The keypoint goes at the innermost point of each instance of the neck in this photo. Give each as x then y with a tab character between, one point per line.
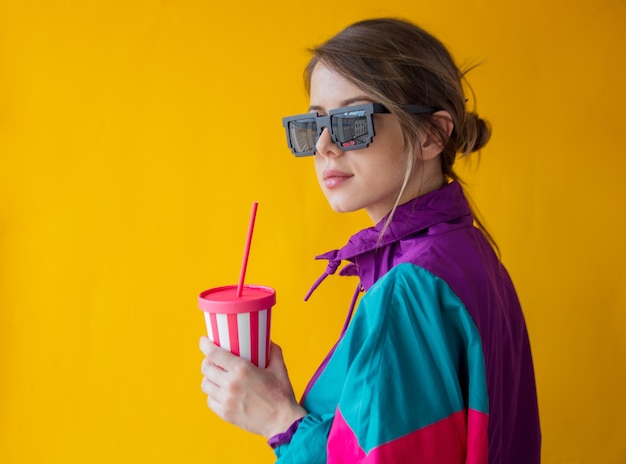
426	179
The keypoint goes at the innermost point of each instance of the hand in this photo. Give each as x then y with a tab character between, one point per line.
255	399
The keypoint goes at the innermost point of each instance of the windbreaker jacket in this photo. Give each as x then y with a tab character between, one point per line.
435	366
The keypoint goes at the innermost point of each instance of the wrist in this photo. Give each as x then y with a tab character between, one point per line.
285	437
289	419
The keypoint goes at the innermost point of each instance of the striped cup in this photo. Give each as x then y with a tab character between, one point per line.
240	324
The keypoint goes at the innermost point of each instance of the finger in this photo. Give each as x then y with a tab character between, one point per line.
208	387
206	362
214	373
276	361
215	406
213	351
204	344
223	358
276	352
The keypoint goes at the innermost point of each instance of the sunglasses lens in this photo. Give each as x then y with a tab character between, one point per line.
303	135
351	129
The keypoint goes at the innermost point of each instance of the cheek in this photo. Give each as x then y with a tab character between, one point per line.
390	164
389	145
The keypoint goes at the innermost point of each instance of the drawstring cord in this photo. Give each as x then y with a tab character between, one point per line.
330	269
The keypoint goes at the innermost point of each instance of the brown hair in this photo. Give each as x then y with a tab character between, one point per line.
397	63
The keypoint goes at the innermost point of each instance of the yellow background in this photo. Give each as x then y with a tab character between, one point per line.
134	137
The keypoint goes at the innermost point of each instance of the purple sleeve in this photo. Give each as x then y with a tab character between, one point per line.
285	437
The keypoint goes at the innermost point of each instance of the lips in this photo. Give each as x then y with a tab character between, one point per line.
333	173
333	177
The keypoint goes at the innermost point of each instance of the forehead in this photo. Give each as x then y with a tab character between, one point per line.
330	90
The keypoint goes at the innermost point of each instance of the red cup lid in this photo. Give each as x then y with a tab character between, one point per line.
224	300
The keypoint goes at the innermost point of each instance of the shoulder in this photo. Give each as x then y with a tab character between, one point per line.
410	299
409	282
406	300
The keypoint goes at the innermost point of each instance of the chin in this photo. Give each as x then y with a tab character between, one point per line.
342	208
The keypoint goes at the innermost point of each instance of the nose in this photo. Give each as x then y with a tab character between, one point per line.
325	146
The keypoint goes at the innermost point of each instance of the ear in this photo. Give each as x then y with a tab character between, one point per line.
432	145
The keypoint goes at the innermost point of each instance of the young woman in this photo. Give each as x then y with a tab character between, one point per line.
435	366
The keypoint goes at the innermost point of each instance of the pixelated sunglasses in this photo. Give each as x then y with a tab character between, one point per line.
351	127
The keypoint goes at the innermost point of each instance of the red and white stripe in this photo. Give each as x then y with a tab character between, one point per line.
243	334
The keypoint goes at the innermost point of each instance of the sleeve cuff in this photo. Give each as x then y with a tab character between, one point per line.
285	437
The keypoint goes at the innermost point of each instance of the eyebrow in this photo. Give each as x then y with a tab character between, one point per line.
343	103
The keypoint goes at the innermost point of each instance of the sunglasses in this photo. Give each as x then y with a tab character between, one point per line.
351	127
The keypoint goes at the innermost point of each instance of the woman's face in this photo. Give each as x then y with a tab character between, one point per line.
370	177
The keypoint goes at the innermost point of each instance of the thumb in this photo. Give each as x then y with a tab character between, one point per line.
276	360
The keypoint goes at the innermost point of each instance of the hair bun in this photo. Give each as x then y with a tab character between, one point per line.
474	134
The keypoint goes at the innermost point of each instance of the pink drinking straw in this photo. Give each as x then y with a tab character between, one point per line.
246	252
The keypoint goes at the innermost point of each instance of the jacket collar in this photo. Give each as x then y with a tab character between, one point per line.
418	215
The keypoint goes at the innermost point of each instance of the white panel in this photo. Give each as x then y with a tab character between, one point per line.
209	330
262	337
222	329
243	330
